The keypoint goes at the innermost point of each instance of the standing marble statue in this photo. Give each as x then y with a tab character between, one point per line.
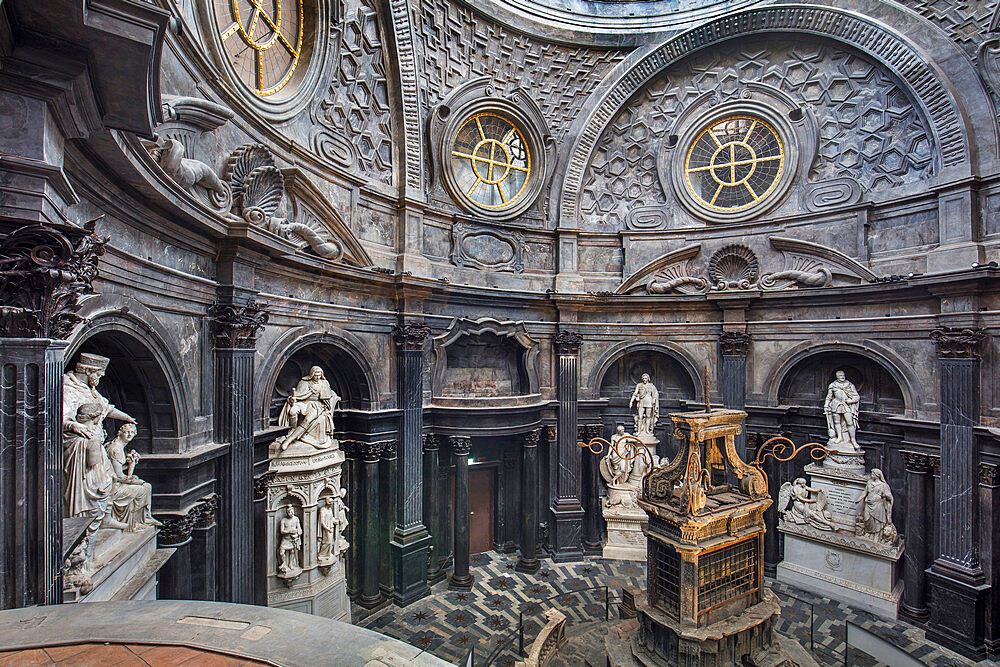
290	541
841	408
309	411
332	520
647	401
874	521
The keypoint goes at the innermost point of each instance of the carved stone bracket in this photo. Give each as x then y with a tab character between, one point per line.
959	343
734	343
567	342
236	326
44	270
461	445
411	336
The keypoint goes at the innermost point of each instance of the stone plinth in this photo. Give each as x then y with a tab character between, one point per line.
124	567
857	571
304	480
626	531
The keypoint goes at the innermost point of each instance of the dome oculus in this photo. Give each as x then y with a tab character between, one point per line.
734	164
490	161
262	40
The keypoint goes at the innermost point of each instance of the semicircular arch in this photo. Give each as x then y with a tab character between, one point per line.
617	352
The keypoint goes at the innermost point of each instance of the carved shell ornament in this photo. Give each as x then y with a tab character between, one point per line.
733	267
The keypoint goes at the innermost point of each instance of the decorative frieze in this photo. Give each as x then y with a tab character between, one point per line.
44	270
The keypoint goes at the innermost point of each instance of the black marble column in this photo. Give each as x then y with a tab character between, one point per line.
236	321
44	270
388	508
447	483
567	510
958	585
733	346
989	492
594	519
411	542
919	492
371	595
433	506
528	560
461	578
174	578
353	479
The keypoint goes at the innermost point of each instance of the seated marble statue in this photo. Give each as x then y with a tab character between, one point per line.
309	411
617	465
88	477
132	497
808	505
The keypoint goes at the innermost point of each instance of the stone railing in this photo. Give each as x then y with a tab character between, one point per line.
548	642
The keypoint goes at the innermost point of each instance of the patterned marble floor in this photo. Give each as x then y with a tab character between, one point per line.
448	623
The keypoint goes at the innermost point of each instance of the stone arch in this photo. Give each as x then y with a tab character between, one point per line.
919	68
618	352
340	346
904	376
144	377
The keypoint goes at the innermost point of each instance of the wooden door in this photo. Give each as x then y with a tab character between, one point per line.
481	501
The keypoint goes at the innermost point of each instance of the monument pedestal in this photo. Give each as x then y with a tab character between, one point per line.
855	570
626	531
124	566
304	480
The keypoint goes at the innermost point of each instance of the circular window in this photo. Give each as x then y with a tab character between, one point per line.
490	161
734	163
262	40
271	52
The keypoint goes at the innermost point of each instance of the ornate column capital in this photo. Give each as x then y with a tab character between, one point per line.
370	451
260	485
567	342
432	442
552	433
387	449
175	530
916	462
203	513
989	474
531	438
588	432
44	270
734	343
411	336
237	326
461	445
959	343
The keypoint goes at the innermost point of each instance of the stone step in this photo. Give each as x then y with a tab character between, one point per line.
142	586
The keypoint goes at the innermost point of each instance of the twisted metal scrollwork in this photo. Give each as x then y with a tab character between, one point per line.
777	448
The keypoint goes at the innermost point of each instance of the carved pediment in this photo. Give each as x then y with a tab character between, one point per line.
667	273
808	264
311	208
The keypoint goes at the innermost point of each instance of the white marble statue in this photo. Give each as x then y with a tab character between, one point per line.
807	505
309	411
88	477
332	520
874	521
289	543
616	468
131	498
80	386
841	408
647	402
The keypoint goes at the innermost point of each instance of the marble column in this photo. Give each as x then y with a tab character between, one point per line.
371	595
353	481
733	346
594	519
411	542
989	492
174	580
958	586
567	510
528	560
432	506
388	507
919	493
461	578
236	322
44	270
